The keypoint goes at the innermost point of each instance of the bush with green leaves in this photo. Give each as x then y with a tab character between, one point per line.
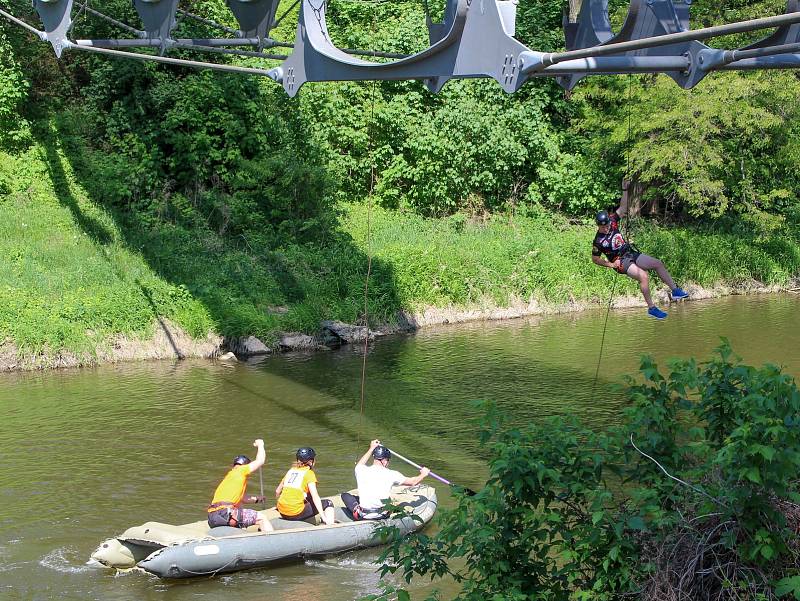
725	521
13	92
694	496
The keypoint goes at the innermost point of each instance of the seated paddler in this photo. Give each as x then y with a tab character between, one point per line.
375	483
298	498
225	508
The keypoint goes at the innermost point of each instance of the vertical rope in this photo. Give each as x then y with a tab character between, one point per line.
628	158
627	229
370	152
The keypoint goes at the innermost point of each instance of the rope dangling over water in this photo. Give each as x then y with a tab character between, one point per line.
370	127
627	233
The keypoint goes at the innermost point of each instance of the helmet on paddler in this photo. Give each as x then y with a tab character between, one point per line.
381	452
305	454
602	218
241	460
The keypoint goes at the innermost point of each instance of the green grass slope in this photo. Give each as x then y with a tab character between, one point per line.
75	274
68	280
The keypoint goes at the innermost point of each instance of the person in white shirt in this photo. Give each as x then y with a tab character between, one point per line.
375	483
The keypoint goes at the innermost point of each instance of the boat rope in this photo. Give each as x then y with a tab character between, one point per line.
211	573
627	231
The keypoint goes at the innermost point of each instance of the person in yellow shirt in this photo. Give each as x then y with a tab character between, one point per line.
297	494
225	508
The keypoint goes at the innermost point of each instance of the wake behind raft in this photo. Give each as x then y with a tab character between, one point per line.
195	550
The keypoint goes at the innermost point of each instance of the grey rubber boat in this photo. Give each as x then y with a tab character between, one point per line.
195	550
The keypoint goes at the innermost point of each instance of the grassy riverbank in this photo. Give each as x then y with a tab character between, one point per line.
80	278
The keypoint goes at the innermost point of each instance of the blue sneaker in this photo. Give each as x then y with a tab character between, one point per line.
678	294
656	312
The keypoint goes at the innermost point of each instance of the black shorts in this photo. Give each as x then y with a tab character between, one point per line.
351	502
628	259
309	510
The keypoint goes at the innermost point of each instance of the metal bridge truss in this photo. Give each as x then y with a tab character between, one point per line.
474	39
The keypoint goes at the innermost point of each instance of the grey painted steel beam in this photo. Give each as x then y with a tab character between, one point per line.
159	43
474	39
56	16
784	40
188	43
714	59
534	63
476	43
209	22
786	34
235	52
646	19
785	61
255	17
137	32
192	45
765	51
158	17
42	35
621	64
168	60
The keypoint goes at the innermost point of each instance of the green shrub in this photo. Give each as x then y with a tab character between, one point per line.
13	92
694	496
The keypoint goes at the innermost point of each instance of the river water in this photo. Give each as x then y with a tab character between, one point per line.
84	454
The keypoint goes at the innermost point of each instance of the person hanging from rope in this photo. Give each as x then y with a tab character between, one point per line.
225	507
626	258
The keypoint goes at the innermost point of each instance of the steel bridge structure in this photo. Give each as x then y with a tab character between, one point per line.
475	38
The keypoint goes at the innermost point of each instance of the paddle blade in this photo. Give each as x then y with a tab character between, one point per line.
467	491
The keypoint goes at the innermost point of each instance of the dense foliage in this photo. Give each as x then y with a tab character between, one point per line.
728	146
695	496
246	202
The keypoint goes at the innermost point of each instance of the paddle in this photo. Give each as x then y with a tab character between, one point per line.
468	491
261	481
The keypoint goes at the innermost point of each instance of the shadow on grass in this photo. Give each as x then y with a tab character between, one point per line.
60	182
287	276
97	231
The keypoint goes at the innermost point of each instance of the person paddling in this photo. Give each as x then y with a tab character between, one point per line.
375	483
225	507
626	259
297	494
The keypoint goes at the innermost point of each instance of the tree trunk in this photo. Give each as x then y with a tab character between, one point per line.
574	9
637	206
635	190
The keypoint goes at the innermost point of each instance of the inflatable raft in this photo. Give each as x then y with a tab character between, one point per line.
195	550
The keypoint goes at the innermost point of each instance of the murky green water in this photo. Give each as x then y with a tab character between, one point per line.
86	453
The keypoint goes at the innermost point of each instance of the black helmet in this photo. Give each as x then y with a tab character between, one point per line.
305	454
381	453
602	218
241	460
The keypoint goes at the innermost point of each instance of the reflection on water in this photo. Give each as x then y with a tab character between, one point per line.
86	453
